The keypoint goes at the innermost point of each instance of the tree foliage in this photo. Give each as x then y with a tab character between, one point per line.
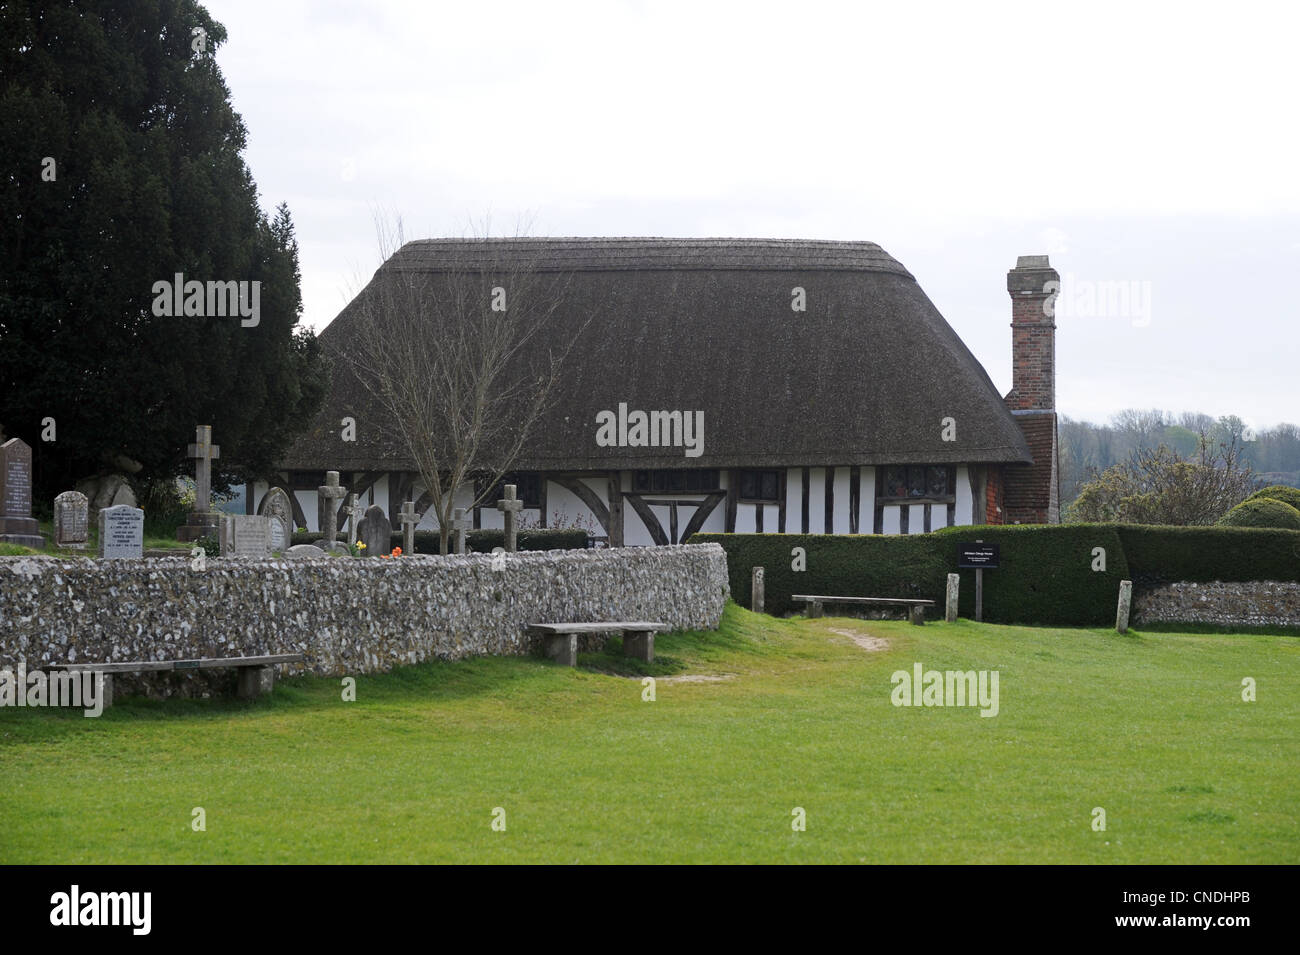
147	181
1160	486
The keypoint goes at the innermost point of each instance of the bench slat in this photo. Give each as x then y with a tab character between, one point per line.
807	598
149	666
612	626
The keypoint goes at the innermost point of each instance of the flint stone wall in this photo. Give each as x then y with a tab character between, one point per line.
345	615
1257	603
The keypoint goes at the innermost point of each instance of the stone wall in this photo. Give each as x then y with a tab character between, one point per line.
1257	603
345	615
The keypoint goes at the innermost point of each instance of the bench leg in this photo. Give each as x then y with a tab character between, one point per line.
639	644
814	609
105	689
562	648
255	681
916	615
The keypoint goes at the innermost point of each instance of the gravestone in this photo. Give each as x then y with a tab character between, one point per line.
510	507
460	525
409	520
246	536
329	494
203	520
375	530
355	512
121	531
71	520
304	550
16	523
277	506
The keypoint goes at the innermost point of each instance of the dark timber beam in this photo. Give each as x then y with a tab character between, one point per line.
648	518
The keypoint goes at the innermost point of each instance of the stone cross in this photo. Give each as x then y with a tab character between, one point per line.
205	452
355	511
459	525
511	507
330	493
409	519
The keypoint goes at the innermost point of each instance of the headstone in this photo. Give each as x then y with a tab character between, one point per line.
304	550
950	602
203	520
510	506
1125	602
330	493
375	530
460	526
409	520
355	512
121	531
17	526
246	536
756	590
71	520
279	508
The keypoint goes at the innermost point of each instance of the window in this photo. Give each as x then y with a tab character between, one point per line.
916	482
675	481
760	485
528	488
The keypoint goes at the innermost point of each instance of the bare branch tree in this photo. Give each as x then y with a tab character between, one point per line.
459	355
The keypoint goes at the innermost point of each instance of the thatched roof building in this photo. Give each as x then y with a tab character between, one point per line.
832	393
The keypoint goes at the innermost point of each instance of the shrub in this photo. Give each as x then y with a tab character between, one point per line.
1262	512
1279	492
1203	554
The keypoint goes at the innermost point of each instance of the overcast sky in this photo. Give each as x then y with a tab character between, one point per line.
1151	150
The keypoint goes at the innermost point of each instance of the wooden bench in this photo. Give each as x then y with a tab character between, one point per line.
915	608
560	640
256	674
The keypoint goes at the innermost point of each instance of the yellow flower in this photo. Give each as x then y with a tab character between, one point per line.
361	545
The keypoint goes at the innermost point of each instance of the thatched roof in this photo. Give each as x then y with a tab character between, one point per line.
864	376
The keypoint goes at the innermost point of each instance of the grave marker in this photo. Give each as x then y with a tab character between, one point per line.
121	531
460	525
16	523
203	520
510	506
279	508
71	520
246	536
375	530
330	493
355	513
409	520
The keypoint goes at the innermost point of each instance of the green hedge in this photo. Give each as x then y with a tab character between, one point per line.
1045	576
1202	554
1279	492
1262	512
482	541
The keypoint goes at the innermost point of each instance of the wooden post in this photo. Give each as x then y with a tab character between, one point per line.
950	603
979	594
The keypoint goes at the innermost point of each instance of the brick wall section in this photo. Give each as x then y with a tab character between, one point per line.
993	496
1028	489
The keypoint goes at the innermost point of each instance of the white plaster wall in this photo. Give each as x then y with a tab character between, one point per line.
794	500
840	512
816	501
916	518
866	500
891	518
965	510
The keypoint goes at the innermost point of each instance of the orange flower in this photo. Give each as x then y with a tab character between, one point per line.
397	552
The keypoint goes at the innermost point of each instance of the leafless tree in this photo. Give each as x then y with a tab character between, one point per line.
461	356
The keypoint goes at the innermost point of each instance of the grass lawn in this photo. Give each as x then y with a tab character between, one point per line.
1149	726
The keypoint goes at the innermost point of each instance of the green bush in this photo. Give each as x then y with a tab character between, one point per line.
1202	554
1279	492
1262	512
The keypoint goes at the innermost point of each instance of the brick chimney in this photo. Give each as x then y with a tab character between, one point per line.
1030	492
1033	285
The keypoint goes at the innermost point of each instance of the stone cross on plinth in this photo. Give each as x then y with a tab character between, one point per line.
355	511
330	492
203	521
409	519
459	525
511	507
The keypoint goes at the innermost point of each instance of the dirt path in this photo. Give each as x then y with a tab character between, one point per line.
865	640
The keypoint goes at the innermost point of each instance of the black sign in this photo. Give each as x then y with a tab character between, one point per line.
978	555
